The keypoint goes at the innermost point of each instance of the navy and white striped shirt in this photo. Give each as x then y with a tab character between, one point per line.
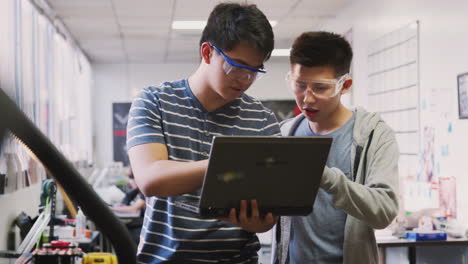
170	114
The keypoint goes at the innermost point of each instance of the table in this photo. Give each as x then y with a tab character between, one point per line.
87	244
122	215
411	245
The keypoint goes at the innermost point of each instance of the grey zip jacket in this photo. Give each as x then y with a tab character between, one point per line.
370	201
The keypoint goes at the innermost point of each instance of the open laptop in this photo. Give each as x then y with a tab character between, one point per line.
282	173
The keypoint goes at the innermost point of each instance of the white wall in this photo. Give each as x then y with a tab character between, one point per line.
443	55
120	82
12	204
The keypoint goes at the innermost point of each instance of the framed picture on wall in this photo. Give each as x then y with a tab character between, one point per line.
119	130
463	95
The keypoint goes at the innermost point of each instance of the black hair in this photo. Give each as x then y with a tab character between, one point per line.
232	23
320	48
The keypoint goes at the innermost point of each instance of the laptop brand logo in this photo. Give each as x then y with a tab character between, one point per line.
230	176
269	162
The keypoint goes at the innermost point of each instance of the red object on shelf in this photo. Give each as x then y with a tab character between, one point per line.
59	243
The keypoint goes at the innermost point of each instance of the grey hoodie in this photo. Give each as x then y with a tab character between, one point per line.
371	201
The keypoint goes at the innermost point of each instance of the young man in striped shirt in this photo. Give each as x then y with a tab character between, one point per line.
170	130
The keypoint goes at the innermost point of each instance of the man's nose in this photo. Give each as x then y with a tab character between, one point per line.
309	96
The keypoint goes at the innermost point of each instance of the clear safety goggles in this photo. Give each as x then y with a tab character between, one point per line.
238	71
325	88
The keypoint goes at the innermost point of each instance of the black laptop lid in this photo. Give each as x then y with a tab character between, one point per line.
282	173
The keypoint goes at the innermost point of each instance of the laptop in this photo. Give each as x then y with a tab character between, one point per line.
282	173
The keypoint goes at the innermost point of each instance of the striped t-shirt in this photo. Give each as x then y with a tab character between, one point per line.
170	114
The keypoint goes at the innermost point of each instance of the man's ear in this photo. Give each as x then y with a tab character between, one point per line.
206	52
346	86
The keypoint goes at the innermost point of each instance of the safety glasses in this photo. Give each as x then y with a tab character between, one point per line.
238	71
324	88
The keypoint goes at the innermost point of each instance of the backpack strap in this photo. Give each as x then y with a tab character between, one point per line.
356	161
369	141
358	158
292	123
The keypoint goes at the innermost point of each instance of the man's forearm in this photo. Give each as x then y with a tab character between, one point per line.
165	178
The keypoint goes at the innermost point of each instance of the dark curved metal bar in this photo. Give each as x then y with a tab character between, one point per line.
14	120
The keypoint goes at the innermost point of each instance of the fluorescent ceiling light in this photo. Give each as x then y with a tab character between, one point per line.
280	52
188	24
199	24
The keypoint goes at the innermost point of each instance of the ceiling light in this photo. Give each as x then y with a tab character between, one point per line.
280	52
199	24
189	24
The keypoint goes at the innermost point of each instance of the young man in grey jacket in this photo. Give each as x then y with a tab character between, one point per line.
360	182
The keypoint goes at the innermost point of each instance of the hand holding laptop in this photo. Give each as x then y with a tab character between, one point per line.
254	222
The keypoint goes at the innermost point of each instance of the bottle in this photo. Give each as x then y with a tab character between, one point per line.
80	224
